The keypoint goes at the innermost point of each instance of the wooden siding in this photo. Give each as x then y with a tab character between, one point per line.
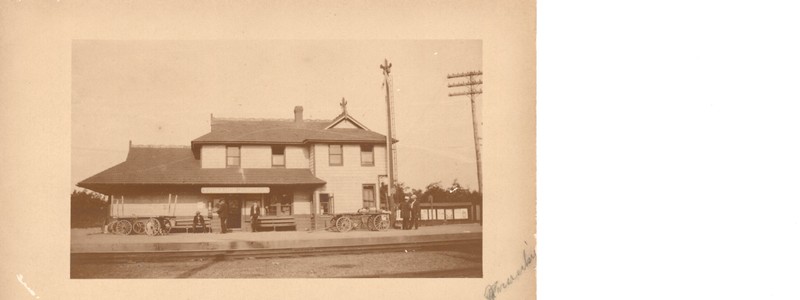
312	161
297	157
157	204
303	222
256	156
302	202
212	156
345	182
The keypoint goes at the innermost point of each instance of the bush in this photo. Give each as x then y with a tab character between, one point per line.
88	209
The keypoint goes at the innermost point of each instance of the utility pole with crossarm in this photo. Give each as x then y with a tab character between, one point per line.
473	83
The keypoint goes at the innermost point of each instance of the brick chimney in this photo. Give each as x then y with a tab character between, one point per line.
298	114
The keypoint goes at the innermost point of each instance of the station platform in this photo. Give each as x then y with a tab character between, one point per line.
93	241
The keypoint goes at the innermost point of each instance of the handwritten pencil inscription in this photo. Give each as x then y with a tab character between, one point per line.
528	261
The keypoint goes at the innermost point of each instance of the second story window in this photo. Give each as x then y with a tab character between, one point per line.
278	157
233	157
367	156
335	155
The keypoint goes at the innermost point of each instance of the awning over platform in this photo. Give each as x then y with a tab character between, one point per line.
177	166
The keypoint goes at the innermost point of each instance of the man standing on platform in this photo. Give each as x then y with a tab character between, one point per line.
415	212
255	211
222	211
405	213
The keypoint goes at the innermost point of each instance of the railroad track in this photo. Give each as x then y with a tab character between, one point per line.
476	272
163	256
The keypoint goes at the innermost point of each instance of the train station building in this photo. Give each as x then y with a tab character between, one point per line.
294	168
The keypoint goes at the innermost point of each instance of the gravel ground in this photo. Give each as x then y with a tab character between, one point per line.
375	264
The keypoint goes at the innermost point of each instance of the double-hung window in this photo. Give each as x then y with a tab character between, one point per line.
367	155
278	157
233	157
368	191
335	155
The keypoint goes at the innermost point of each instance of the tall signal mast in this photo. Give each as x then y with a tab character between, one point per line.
391	151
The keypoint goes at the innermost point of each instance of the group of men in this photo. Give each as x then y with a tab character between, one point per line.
199	221
410	212
222	211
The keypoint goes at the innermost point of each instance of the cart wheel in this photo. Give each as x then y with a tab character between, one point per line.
117	229
371	223
152	227
381	222
166	227
138	227
344	224
112	227
333	222
124	227
375	223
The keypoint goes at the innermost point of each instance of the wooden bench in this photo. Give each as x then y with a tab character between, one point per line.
275	223
187	224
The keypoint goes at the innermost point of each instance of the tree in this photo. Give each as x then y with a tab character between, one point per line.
441	194
88	209
476	198
434	189
400	191
454	193
417	193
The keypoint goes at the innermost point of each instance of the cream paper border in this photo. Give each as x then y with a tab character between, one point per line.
36	37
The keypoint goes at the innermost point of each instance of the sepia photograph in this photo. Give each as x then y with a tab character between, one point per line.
276	159
287	150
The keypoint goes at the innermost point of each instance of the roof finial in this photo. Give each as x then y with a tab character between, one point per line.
386	66
344	105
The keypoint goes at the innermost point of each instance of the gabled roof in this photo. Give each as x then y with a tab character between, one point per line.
284	131
345	117
177	165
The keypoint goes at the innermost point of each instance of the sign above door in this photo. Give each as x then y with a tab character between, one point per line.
234	190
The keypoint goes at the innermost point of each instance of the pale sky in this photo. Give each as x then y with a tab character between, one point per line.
162	93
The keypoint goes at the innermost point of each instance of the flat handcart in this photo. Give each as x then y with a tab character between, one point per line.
123	224
150	225
373	220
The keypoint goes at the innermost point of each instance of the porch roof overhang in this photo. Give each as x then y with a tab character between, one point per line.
149	167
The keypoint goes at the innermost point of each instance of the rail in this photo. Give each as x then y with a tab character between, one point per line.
162	256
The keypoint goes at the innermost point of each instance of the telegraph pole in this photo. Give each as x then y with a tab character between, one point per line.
473	82
390	151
